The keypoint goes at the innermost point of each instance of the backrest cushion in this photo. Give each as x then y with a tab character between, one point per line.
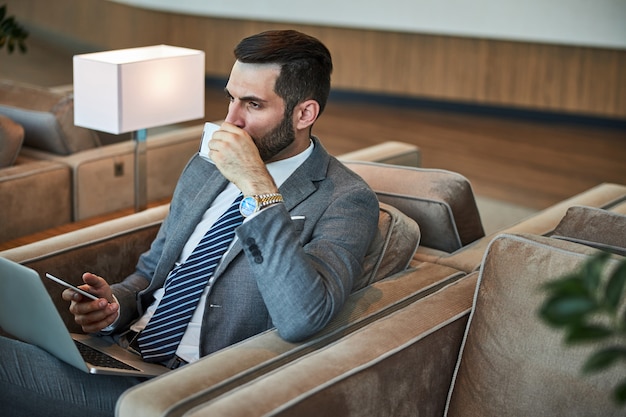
11	138
393	247
441	202
594	227
512	363
47	118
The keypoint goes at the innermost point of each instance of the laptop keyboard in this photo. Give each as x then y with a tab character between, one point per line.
97	358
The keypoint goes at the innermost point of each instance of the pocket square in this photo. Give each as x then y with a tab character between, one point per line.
298	222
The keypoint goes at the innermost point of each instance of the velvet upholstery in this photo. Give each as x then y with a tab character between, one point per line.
388	152
47	118
512	364
11	138
393	247
175	393
103	178
392	366
34	196
610	197
602	229
109	249
441	202
399	365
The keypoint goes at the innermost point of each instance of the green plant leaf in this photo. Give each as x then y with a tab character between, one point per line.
591	271
619	393
568	285
566	310
615	287
587	332
603	359
11	32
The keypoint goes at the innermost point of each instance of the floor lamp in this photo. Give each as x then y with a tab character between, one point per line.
132	90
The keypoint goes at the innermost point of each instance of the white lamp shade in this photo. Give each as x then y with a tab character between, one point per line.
138	88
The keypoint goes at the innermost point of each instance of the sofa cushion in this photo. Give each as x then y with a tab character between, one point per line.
47	118
512	364
441	202
34	196
11	138
393	247
594	227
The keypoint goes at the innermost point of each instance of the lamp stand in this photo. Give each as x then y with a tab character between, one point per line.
141	180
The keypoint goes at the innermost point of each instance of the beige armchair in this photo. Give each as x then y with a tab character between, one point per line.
475	348
402	361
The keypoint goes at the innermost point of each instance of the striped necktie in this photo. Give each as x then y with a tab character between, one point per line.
183	287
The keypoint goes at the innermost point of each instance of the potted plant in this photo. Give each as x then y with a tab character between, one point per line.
12	34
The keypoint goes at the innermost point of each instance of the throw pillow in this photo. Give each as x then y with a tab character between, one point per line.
513	364
47	118
594	227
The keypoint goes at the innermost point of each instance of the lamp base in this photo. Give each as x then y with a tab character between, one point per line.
141	180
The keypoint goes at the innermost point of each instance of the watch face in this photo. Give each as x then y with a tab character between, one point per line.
248	206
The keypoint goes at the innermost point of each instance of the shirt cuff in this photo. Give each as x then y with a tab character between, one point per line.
113	325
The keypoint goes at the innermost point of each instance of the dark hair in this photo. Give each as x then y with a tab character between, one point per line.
305	64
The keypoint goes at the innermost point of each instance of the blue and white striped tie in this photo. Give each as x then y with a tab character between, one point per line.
184	285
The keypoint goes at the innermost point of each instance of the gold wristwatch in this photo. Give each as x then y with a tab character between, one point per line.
253	203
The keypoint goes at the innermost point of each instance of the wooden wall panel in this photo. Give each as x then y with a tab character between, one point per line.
578	80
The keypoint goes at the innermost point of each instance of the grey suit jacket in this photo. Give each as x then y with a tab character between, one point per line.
292	266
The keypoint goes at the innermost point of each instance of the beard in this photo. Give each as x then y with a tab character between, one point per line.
276	140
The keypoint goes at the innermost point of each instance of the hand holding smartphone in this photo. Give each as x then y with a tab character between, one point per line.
72	287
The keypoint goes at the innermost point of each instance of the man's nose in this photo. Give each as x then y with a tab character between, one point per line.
234	116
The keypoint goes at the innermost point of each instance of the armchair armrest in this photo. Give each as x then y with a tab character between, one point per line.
606	196
180	390
371	372
108	249
391	152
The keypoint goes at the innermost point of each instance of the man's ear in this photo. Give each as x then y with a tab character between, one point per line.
306	114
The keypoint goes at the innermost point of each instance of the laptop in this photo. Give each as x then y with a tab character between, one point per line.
28	314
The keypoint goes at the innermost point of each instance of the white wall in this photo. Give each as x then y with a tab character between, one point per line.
599	23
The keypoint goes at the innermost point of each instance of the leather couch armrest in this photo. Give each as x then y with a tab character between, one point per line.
109	249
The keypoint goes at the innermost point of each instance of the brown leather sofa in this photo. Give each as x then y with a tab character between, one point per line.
392	351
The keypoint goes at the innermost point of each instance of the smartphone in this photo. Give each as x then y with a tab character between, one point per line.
68	285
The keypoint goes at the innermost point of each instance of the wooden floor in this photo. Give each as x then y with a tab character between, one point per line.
531	163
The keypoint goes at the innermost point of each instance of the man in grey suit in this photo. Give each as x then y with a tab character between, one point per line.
295	258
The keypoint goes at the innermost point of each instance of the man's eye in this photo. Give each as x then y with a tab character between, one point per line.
254	105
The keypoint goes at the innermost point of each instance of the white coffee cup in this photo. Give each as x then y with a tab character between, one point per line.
207	135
